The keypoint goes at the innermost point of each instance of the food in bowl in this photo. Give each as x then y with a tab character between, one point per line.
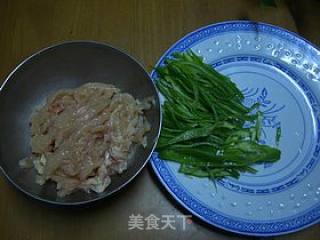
82	136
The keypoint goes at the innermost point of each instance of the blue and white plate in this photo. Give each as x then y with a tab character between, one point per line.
280	70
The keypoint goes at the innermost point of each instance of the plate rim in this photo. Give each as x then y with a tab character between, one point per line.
306	43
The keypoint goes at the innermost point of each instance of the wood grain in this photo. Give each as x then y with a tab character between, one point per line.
145	29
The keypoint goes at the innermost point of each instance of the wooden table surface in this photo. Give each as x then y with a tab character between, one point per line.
145	29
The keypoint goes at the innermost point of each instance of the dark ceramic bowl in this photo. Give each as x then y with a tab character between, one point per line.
67	65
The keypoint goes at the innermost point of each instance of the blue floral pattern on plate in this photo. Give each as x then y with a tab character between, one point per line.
279	70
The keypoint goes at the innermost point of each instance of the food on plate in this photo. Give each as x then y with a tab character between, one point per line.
206	127
82	136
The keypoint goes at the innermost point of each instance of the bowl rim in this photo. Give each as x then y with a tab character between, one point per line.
130	179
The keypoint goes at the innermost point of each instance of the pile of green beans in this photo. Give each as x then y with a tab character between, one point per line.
203	123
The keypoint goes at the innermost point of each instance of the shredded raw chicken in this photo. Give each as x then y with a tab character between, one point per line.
82	136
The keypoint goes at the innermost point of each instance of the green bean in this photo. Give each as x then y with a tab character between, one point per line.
204	117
